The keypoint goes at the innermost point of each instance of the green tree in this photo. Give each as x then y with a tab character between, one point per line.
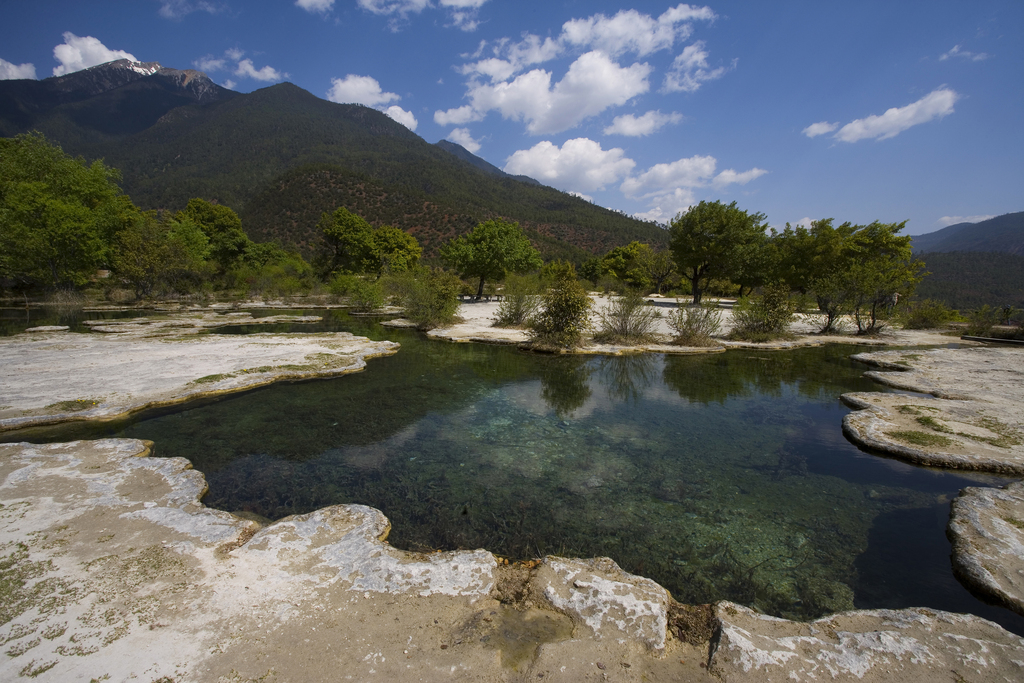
58	216
394	250
710	241
492	250
566	314
881	271
346	244
149	252
222	227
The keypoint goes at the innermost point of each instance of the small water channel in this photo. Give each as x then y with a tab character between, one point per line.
720	476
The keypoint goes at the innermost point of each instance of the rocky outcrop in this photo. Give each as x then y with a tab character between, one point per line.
986	528
975	420
870	645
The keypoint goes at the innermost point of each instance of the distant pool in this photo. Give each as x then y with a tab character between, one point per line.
723	476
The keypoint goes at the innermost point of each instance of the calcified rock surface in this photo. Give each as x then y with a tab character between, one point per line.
113	570
53	377
975	420
868	645
986	528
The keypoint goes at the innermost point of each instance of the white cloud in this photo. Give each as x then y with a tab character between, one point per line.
633	126
819	128
230	84
404	117
631	31
176	9
463	137
593	83
463	114
463	13
805	222
935	104
690	70
963	54
670	187
234	54
9	71
267	73
947	221
579	165
77	53
731	177
322	6
210	63
582	196
389	7
359	90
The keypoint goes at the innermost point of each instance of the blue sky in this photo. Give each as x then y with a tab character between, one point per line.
801	110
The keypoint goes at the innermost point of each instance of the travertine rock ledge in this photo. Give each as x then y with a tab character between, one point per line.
54	377
112	569
973	418
986	528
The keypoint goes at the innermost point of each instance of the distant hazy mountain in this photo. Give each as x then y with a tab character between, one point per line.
281	156
1000	234
484	165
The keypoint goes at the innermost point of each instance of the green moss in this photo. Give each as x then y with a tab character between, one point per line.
932	423
1015	522
212	378
921	438
73	406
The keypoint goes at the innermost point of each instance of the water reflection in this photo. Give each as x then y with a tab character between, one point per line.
721	476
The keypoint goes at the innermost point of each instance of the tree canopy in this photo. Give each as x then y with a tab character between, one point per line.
493	249
714	240
57	215
222	227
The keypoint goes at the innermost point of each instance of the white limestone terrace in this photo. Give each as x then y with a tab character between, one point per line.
478	318
52	376
113	569
970	414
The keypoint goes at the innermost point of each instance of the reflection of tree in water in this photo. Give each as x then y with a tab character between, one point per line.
628	377
744	372
565	384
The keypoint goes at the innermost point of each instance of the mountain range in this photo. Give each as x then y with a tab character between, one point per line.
1003	234
281	156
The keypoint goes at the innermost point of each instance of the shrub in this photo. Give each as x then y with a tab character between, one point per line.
566	314
927	314
981	321
367	296
433	299
627	320
696	325
521	303
764	319
342	285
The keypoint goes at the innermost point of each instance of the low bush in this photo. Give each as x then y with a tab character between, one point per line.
927	314
432	299
628	319
565	317
696	325
764	319
521	303
366	297
981	321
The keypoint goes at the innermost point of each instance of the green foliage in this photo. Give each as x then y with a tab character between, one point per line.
269	270
966	280
493	249
521	301
765	318
927	314
222	227
629	319
696	325
714	240
57	215
432	298
346	244
881	271
981	321
367	297
394	250
566	314
169	255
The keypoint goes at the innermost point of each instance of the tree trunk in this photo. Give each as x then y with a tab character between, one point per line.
695	288
480	289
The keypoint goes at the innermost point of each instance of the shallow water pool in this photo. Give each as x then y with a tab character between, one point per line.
721	476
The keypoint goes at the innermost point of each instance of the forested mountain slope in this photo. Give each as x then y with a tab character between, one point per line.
1000	234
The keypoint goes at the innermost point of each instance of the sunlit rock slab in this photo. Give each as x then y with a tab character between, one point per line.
872	645
986	527
51	378
972	416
